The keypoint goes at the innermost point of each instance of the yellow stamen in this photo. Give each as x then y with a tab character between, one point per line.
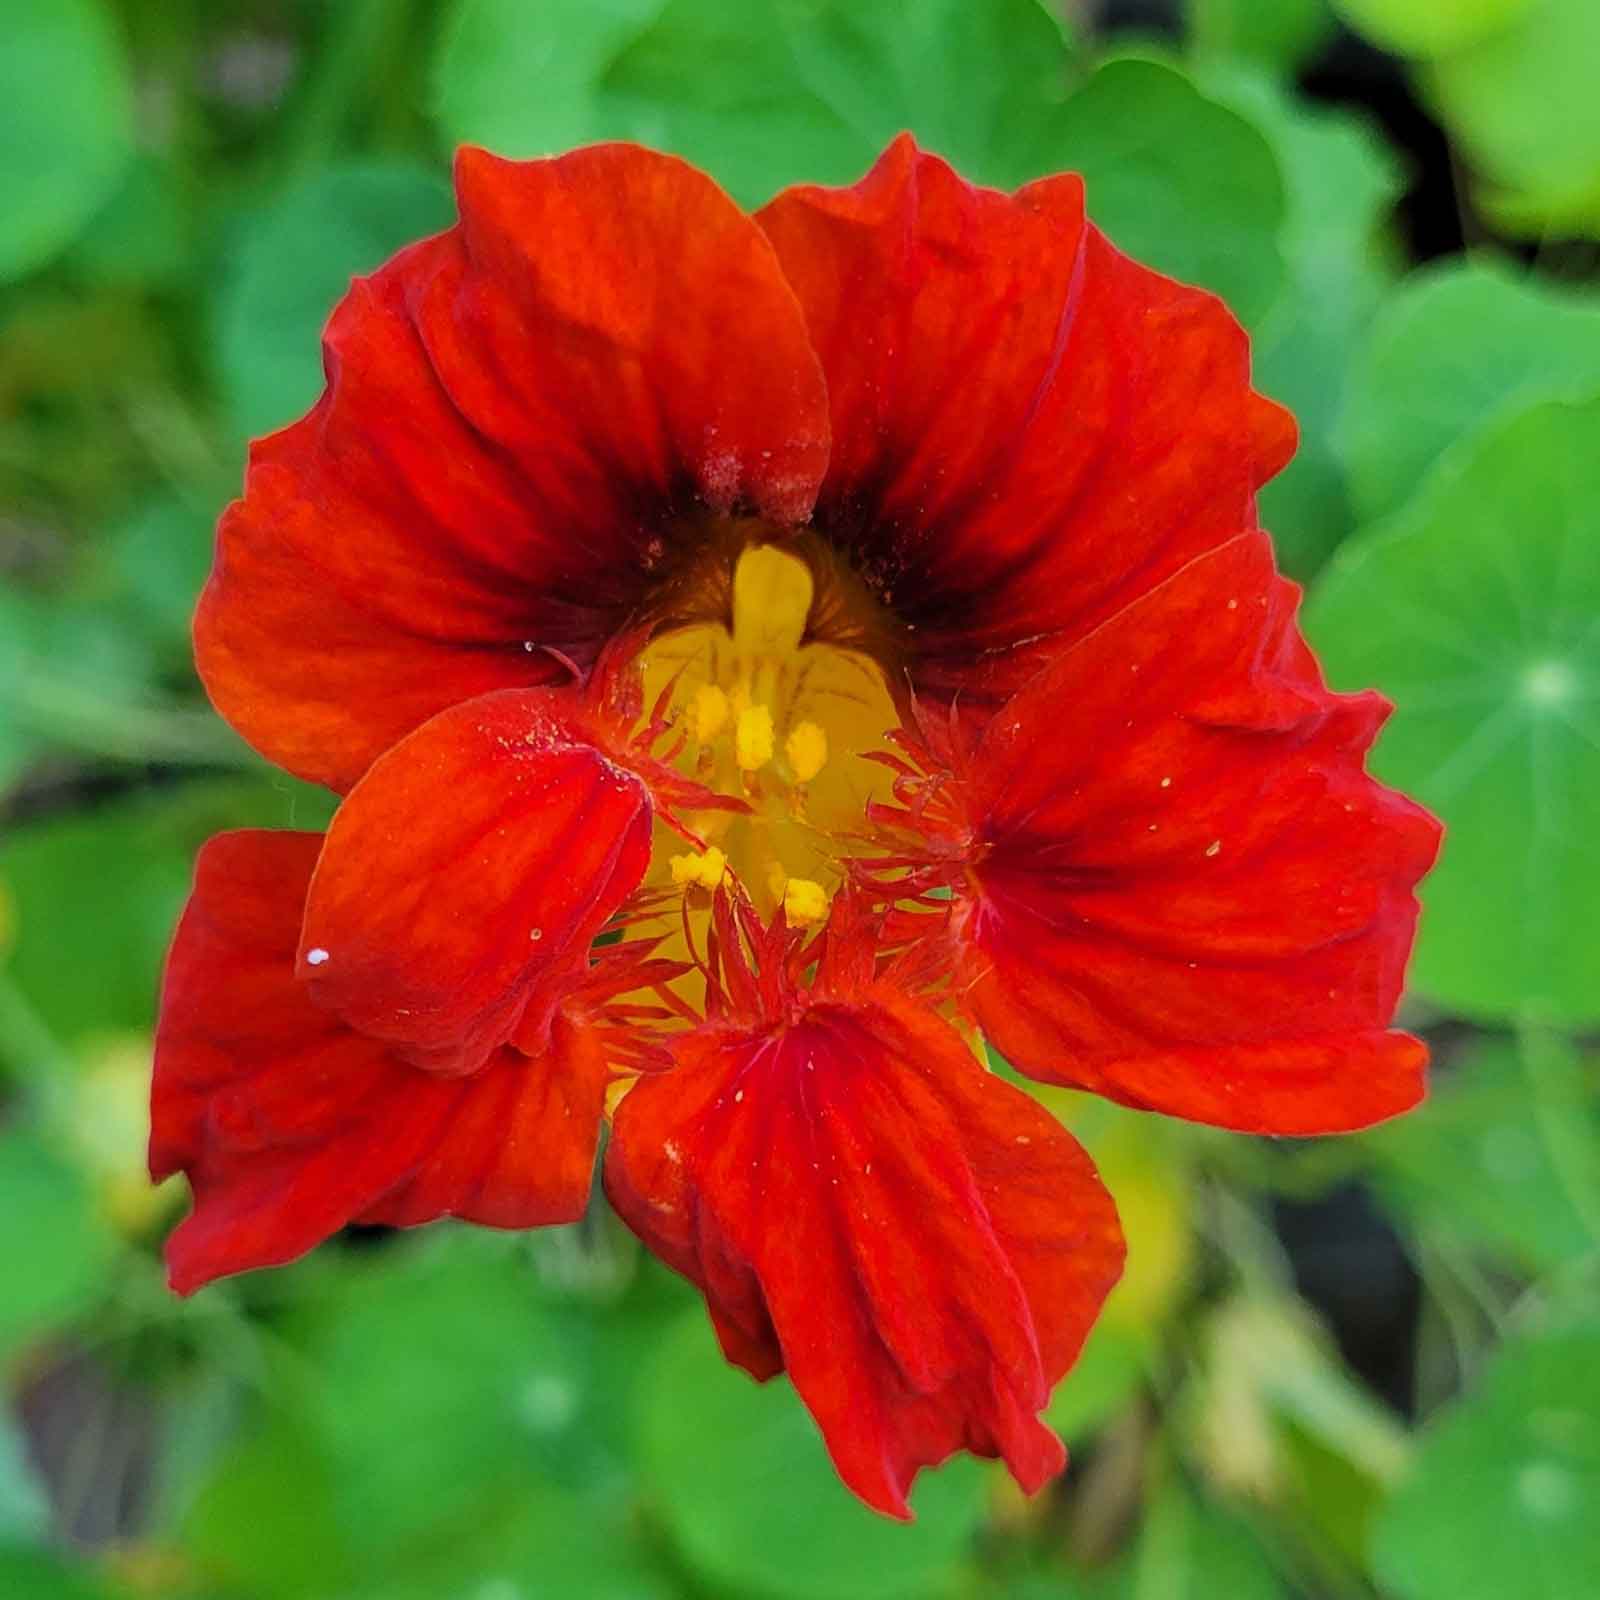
805	903
807	750
699	870
709	714
772	594
753	738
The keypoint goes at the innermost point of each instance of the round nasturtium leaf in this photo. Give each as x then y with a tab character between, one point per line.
294	260
1502	1494
759	96
1452	351
1477	610
1431	27
1475	1171
66	124
524	80
739	1472
1176	179
1522	103
1342	180
1278	34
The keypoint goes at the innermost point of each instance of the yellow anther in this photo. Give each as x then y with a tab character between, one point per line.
805	903
693	870
807	750
753	738
708	714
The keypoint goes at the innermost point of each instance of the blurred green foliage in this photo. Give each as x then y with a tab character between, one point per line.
184	191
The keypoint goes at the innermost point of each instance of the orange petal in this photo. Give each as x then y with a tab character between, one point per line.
290	1125
517	414
920	1244
1029	428
1192	897
465	877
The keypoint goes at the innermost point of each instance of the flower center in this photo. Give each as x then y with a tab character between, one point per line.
778	717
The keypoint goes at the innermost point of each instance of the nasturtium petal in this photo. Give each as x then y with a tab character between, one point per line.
465	876
920	1245
1205	906
66	124
1475	609
289	1125
1454	349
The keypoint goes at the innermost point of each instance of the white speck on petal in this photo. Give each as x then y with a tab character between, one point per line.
1214	848
315	958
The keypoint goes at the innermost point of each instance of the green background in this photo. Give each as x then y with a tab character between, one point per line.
1343	1369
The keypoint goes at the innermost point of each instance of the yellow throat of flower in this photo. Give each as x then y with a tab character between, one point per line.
780	721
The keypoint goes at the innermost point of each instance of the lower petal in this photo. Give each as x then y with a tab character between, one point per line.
920	1244
290	1125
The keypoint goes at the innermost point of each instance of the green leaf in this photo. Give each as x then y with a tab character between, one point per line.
1279	34
1473	1167
116	878
1342	181
1191	1550
1475	610
264	1518
66	125
1430	27
534	1540
142	235
1522	102
97	893
294	262
523	80
1177	180
759	96
160	556
454	1346
1455	350
740	1475
1105	1376
36	1574
1502	1498
53	1246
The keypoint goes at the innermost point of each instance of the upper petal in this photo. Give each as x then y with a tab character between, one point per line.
1191	896
516	412
290	1125
1029	428
921	1245
465	877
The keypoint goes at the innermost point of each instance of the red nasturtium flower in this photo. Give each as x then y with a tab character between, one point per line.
860	608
